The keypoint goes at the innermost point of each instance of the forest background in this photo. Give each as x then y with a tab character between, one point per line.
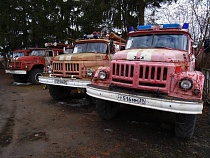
30	23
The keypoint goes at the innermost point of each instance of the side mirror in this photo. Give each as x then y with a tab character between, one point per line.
195	45
112	49
111	43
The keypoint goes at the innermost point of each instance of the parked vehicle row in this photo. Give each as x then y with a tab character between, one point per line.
153	68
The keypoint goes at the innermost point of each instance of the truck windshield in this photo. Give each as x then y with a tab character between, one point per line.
17	54
90	47
37	53
173	41
68	50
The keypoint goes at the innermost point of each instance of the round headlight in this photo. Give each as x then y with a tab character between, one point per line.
49	69
102	75
89	72
186	84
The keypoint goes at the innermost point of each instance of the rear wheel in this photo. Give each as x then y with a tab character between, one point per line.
1	65
185	125
20	78
107	110
59	92
34	74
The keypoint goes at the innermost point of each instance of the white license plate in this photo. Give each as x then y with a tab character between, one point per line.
60	81
132	99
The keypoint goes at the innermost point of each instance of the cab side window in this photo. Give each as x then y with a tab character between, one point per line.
50	53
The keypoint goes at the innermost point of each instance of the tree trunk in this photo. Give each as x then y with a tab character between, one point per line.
141	8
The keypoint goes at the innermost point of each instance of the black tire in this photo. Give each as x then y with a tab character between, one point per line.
20	78
59	92
185	125
1	66
92	100
33	76
107	110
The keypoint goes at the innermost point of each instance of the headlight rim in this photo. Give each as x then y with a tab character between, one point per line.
102	72
89	72
185	79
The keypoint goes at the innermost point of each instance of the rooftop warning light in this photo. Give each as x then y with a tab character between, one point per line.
131	29
94	35
144	27
185	26
171	26
55	44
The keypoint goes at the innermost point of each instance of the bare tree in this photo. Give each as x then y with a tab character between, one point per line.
194	12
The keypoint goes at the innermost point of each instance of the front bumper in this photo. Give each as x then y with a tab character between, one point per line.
170	105
64	81
18	72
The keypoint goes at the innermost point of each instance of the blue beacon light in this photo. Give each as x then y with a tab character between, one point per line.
131	29
171	26
144	27
185	26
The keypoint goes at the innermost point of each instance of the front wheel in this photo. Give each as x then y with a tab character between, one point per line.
33	76
59	92
106	109
185	125
20	78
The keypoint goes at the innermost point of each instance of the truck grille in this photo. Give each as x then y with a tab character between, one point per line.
141	75
16	65
66	69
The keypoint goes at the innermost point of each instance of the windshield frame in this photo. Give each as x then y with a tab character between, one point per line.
17	54
37	52
169	41
91	47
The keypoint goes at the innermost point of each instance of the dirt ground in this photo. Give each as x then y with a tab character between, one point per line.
32	124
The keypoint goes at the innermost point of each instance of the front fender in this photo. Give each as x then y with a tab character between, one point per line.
197	79
97	81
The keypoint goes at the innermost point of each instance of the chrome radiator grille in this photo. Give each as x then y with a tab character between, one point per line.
16	65
66	69
141	75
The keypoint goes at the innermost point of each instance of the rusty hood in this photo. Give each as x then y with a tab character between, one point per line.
159	55
81	57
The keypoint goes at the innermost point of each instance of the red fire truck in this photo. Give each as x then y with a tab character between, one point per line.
28	68
156	71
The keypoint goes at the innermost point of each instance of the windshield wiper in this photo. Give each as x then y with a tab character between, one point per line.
163	47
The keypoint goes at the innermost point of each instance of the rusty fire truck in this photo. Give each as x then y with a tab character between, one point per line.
157	71
74	71
28	68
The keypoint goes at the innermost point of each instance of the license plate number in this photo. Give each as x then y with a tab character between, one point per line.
60	81
132	99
